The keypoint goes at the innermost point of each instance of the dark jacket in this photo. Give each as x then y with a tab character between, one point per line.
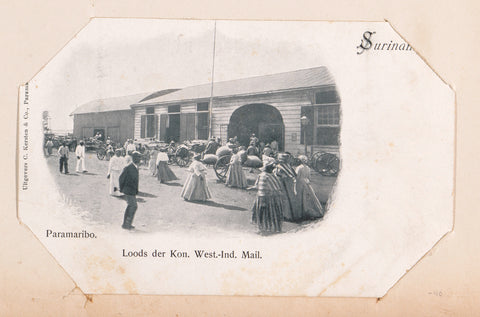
128	180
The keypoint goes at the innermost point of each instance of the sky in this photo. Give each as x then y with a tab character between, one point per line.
117	57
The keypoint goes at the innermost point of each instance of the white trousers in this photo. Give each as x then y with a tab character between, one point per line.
114	175
82	162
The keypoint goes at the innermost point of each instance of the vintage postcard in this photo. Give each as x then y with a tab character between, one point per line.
204	157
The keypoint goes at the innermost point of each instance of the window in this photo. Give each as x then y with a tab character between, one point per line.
202	106
327	135
174	109
324	119
149	124
328	96
328	115
202	120
202	125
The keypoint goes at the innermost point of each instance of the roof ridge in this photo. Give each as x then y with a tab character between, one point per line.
256	76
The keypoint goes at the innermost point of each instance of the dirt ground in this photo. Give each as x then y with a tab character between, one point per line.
160	207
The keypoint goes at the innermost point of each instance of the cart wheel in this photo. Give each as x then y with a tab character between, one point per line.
327	164
182	161
315	156
312	161
101	154
182	157
172	160
221	167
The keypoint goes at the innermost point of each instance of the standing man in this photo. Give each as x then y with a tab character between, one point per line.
130	147
274	146
211	147
254	139
80	153
115	167
63	153
128	182
49	147
252	149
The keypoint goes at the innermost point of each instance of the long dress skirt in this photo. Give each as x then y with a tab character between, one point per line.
290	209
267	213
195	188
235	176
309	205
164	173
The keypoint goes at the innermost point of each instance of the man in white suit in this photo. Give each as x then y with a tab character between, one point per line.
115	168
80	153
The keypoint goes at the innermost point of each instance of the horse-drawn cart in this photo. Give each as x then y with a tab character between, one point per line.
327	164
101	149
181	156
183	153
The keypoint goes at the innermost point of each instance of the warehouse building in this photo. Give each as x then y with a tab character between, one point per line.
292	108
111	117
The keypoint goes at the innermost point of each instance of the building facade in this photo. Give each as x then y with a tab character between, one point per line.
270	106
111	117
118	125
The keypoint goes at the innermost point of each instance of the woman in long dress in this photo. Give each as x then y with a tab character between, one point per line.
195	187
287	175
164	173
115	168
235	175
267	210
152	167
308	203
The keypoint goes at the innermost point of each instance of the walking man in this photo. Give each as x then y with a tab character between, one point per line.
128	182
63	153
80	153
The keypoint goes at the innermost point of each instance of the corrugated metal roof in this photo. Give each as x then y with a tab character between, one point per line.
118	103
303	78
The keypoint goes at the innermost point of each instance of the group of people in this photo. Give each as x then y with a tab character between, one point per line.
257	147
63	154
283	193
50	145
195	187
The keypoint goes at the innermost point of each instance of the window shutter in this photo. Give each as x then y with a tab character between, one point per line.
163	127
190	126
183	127
155	126
142	126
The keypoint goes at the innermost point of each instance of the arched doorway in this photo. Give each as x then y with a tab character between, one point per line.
259	118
